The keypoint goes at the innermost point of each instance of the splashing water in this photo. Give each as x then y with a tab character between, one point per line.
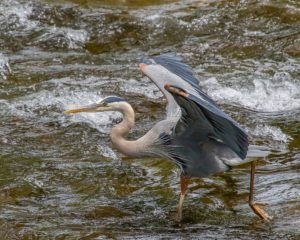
64	37
4	67
265	95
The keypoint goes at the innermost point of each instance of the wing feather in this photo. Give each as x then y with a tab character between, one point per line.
198	106
216	125
174	64
168	68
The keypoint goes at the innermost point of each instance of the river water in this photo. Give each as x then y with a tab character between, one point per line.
60	178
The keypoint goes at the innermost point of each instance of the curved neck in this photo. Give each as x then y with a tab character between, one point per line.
118	133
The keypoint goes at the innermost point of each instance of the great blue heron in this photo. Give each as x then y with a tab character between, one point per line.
196	134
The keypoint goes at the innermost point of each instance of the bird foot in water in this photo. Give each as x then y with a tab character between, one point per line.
259	211
178	217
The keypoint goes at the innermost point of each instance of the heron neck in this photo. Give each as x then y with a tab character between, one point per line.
120	131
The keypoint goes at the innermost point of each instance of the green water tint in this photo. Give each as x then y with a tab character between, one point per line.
60	177
115	3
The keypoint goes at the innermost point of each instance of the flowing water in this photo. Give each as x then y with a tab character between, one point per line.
60	178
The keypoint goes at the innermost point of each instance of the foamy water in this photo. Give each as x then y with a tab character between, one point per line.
265	95
5	69
51	104
17	14
64	37
270	132
141	87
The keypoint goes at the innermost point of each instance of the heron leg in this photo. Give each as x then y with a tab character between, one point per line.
183	190
256	206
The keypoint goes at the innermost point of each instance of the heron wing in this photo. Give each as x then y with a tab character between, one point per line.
169	68
203	119
207	118
174	63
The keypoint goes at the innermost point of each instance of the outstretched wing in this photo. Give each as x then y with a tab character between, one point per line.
168	68
201	119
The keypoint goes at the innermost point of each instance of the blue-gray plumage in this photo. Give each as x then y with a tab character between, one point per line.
196	134
198	114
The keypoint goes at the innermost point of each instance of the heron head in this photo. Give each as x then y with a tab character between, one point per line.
111	103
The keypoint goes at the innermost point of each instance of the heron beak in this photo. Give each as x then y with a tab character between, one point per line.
96	107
